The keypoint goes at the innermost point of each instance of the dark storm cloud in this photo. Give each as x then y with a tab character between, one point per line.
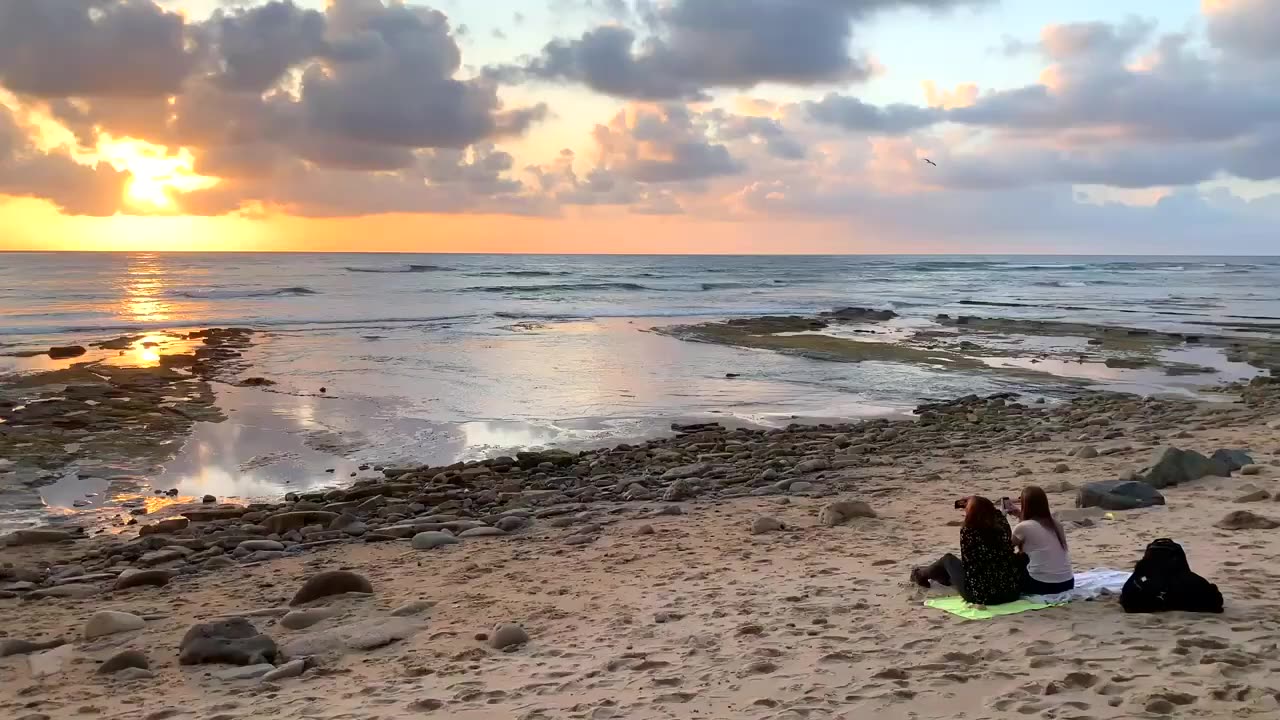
106	48
256	46
697	45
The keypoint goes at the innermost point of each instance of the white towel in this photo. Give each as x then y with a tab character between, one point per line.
1089	585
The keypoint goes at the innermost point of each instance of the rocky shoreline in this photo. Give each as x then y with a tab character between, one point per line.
556	502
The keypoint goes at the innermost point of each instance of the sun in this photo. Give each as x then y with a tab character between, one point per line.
156	175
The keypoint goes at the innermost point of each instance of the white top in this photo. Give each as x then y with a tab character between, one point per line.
1050	562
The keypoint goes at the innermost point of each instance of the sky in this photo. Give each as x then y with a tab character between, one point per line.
641	126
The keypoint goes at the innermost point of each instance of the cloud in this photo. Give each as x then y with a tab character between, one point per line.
265	90
103	48
852	114
660	144
697	45
1249	29
26	171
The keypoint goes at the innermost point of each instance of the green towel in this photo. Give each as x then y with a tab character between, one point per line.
956	605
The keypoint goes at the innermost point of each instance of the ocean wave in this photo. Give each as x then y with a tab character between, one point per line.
561	287
521	273
234	294
724	286
400	269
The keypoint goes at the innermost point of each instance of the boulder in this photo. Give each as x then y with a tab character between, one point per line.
65	352
331	582
1251	470
432	539
1252	493
291	669
814	465
37	536
15	646
234	641
1245	520
677	491
511	523
1175	466
840	512
208	514
481	532
1086	452
1118	495
1232	459
248	672
110	622
682	472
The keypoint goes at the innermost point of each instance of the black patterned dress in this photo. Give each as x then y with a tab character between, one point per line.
991	570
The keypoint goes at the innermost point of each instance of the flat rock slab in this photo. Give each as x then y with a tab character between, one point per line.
362	635
248	672
50	662
432	540
110	622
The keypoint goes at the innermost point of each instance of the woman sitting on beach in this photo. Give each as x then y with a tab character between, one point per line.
987	571
1043	547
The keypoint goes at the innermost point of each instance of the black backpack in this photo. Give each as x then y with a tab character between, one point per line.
1162	580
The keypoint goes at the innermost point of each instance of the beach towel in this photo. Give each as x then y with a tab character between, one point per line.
1089	585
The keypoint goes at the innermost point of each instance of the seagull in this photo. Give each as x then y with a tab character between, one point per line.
930	162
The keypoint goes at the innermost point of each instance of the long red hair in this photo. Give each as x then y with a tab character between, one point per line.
1035	506
981	513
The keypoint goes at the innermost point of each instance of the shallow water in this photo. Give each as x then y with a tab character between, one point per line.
440	358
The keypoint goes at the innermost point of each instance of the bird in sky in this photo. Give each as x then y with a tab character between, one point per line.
930	162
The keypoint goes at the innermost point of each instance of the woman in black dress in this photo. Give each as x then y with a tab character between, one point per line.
987	571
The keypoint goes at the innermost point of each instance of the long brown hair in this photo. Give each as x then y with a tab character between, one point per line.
981	513
1035	506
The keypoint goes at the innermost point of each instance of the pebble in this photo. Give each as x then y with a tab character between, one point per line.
507	635
133	673
645	530
432	539
110	622
143	578
332	582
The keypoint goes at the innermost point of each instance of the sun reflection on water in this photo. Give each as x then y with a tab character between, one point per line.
144	287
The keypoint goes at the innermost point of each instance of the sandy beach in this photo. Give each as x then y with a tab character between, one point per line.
652	608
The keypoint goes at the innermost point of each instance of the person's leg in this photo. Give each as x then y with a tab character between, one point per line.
955	570
1031	586
941	571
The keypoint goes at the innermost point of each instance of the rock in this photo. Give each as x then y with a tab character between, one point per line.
1232	459
1252	493
840	512
1118	495
579	539
65	591
234	641
303	619
766	524
248	672
1245	520
110	622
415	607
800	486
143	578
163	555
645	530
1251	470
124	659
284	522
218	562
15	646
1062	468
208	499
432	539
507	635
49	662
814	465
291	669
1086	452
331	582
39	536
1175	466
677	491
511	523
682	472
481	532
164	527
362	635
222	512
247	546
64	352
128	674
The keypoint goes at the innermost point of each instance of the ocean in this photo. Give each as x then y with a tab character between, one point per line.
435	358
